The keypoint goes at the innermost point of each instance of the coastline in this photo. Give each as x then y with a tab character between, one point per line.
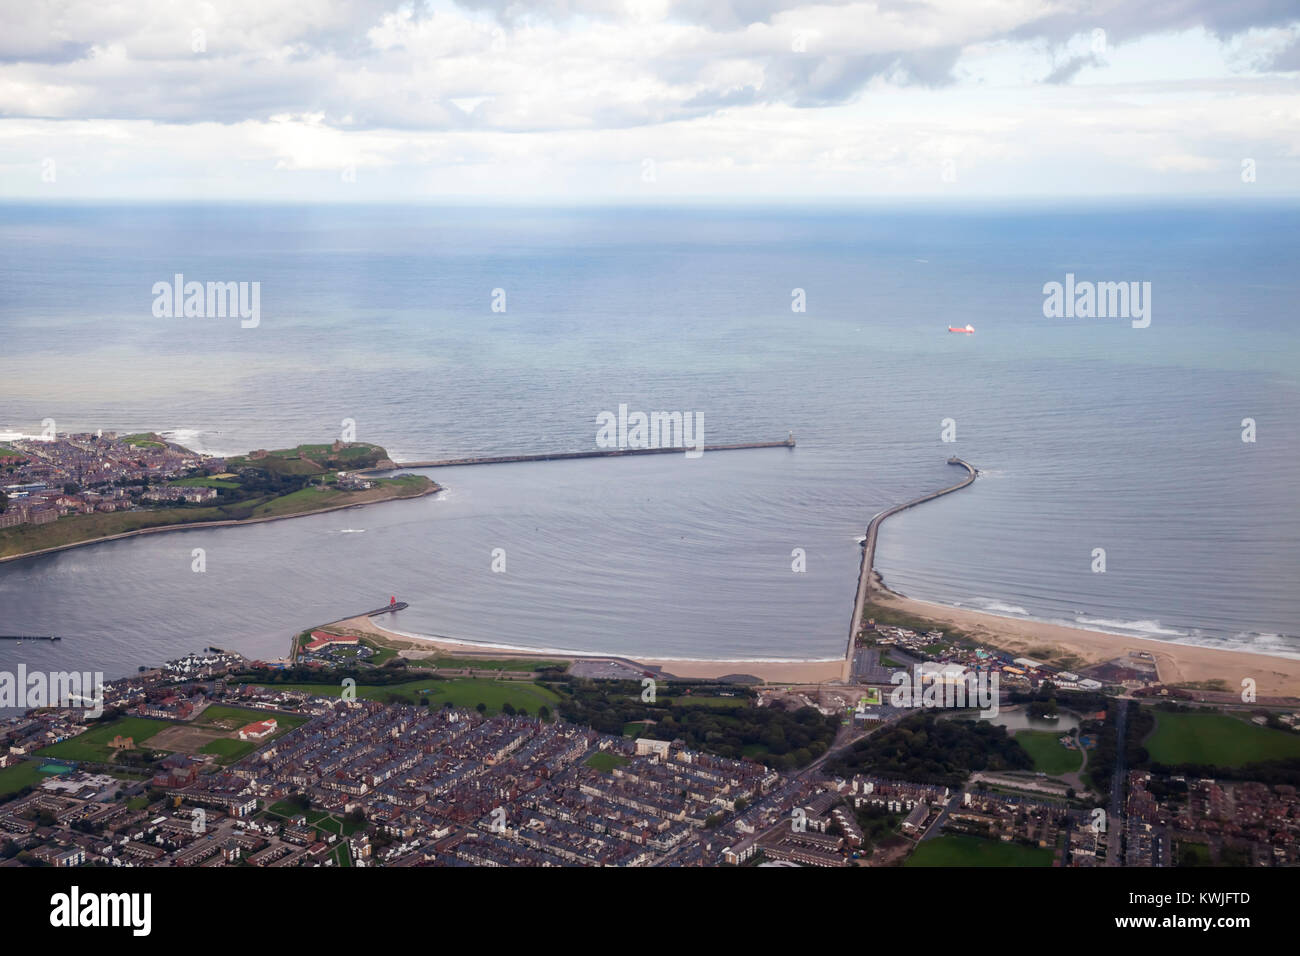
768	670
223	523
1176	664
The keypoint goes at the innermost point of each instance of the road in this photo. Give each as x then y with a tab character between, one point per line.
1115	818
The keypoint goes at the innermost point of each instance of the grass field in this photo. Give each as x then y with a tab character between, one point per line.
325	822
961	850
228	749
232	718
93	744
461	691
1191	854
1049	756
604	761
382	655
1216	739
201	482
24	774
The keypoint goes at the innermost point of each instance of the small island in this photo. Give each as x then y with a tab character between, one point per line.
78	489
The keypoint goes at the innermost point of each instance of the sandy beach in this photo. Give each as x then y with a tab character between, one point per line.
783	672
1175	663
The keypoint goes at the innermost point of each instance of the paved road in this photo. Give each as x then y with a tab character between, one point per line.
936	827
1115	818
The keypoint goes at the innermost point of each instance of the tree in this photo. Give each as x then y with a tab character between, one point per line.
481	707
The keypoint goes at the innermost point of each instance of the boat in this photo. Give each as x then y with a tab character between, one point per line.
966	331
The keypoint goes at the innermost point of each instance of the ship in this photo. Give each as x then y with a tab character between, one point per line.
966	331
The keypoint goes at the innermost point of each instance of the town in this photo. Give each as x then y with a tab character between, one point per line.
100	472
193	764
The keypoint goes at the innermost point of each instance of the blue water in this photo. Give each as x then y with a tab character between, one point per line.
1089	433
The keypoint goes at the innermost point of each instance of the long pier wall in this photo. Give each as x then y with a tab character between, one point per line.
869	555
565	455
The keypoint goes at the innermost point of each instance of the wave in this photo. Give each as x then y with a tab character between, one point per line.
997	607
196	440
1141	627
352	531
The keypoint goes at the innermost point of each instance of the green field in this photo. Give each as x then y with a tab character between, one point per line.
962	850
325	822
24	774
1218	740
228	749
634	729
313	459
604	761
202	482
382	655
232	718
1049	756
93	744
461	692
144	440
1191	854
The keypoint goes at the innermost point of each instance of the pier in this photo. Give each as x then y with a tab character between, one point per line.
869	556
30	637
567	455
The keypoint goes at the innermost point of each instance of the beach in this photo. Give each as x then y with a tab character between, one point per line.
778	671
1177	664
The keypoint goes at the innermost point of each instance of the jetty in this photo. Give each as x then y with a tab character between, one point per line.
869	555
569	455
30	637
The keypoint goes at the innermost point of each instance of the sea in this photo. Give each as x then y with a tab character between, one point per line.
441	331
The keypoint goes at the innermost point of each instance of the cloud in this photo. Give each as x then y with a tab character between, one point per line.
779	91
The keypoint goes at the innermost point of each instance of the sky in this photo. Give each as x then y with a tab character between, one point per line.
648	100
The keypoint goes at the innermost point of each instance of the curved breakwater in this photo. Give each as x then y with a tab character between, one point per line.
869	553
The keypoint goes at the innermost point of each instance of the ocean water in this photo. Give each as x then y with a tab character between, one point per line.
1088	433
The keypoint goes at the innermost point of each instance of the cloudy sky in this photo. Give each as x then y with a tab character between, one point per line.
729	100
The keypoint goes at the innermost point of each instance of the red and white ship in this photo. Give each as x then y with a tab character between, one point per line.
966	331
